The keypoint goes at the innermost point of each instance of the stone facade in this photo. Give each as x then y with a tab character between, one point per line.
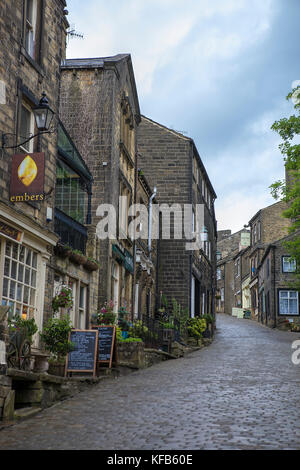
266	226
100	110
276	306
146	289
29	65
171	162
232	269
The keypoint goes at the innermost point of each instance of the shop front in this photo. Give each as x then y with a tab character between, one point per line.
25	250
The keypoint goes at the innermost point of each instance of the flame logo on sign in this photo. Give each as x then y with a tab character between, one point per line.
27	171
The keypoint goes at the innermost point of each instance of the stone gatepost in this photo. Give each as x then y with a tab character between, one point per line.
7	395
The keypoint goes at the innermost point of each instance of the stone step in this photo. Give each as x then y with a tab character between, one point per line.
23	413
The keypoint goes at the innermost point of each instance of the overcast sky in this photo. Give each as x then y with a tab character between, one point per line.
217	70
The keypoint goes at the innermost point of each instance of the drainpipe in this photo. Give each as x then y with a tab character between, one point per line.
276	308
150	222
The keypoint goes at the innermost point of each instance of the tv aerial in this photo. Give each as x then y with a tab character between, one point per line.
72	33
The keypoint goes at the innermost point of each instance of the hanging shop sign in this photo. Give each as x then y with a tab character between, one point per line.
117	253
128	262
27	177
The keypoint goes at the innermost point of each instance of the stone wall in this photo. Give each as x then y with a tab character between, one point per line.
90	109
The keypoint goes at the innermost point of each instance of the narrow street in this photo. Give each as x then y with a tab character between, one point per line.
241	392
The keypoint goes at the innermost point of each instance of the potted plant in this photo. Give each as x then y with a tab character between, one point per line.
195	327
107	315
62	250
63	299
55	337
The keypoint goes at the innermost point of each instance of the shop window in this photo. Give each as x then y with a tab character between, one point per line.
72	193
288	302
288	264
19	279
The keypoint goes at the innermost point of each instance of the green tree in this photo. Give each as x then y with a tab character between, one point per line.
289	189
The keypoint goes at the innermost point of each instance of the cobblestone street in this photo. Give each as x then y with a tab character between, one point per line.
241	392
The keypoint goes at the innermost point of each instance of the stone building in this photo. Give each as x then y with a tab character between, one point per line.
266	226
171	162
278	299
242	279
33	42
100	111
232	269
146	254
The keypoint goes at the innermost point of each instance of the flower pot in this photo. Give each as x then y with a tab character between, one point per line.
41	363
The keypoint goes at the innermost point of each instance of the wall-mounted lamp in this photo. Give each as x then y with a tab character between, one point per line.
43	116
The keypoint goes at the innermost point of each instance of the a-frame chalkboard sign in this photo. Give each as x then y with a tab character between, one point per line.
83	357
107	345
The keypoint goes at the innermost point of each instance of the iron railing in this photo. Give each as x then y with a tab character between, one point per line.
71	232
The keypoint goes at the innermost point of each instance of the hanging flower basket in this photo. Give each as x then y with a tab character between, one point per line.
63	300
91	265
77	257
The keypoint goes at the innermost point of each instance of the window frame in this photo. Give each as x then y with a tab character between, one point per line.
24	104
31	307
282	264
34	26
288	298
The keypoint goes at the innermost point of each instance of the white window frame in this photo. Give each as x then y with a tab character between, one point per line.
291	263
19	284
284	294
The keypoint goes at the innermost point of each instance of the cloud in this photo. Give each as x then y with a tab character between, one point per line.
217	70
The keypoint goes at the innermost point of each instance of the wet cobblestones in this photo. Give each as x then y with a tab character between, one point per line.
242	392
